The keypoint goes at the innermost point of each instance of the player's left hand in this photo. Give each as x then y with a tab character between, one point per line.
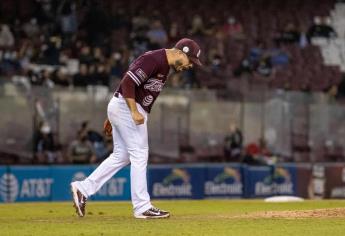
107	128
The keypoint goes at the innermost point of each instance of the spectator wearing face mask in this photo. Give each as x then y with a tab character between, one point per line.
6	37
233	28
46	148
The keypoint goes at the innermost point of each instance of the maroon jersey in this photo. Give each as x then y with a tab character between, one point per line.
149	73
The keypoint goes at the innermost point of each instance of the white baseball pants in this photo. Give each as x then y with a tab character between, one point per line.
130	146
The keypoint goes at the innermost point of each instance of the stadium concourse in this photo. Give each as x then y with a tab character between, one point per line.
270	66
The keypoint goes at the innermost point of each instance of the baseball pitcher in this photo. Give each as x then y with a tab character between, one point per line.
127	123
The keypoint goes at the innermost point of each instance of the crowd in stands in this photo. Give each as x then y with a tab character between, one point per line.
88	42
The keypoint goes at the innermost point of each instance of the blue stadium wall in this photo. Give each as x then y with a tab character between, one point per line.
198	181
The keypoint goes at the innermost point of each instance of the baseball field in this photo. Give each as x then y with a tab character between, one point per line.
204	217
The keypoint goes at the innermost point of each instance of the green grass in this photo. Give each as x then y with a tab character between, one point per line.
205	217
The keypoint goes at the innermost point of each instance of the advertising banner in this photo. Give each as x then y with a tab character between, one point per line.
52	183
335	181
304	180
29	183
4	181
223	181
63	176
116	188
176	182
270	181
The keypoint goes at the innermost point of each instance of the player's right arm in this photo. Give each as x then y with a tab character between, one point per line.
135	76
128	92
136	115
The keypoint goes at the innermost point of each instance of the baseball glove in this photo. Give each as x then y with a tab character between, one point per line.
107	128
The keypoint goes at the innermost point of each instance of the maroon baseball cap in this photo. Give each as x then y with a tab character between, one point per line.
191	49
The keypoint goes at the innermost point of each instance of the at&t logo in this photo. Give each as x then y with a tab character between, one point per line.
9	188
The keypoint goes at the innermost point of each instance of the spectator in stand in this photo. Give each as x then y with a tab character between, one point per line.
278	56
81	151
6	37
289	35
60	78
197	28
265	67
46	79
217	66
233	29
140	21
92	135
327	25
315	30
321	28
76	47
257	51
101	76
92	75
303	40
9	63
85	55
98	142
254	60
246	67
31	28
189	79
233	144
174	32
157	35
212	27
42	78
68	21
263	60
139	42
45	148
34	78
98	56
82	78
51	51
257	154
251	155
116	65
218	44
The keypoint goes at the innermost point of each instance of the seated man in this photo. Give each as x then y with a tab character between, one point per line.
81	151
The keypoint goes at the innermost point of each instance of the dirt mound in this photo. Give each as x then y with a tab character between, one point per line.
318	213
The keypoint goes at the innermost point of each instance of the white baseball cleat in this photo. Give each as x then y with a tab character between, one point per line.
79	200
